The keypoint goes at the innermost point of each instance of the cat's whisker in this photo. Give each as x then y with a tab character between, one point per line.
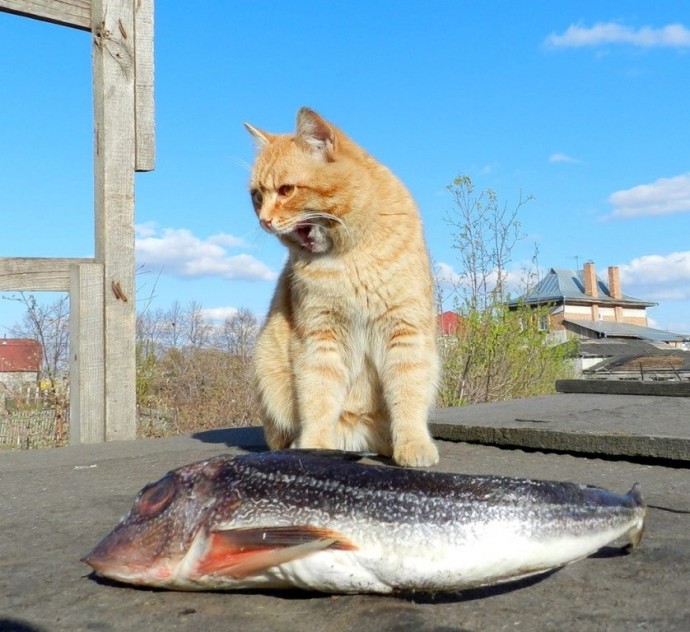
316	215
241	163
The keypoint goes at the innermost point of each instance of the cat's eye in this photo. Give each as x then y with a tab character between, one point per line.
286	190
257	198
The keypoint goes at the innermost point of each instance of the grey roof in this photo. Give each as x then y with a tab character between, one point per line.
560	286
627	355
619	347
606	328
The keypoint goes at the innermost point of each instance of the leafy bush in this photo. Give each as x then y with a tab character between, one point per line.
496	353
500	354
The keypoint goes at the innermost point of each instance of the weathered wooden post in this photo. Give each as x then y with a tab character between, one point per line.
102	289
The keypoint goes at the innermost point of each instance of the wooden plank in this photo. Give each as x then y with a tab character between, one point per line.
113	76
73	13
36	274
143	86
624	387
87	410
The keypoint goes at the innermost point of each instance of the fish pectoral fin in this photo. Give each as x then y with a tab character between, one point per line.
241	553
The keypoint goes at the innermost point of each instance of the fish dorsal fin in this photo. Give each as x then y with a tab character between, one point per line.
342	455
240	553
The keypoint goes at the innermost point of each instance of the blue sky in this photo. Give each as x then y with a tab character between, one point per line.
584	105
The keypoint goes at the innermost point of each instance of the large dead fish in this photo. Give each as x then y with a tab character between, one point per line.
322	522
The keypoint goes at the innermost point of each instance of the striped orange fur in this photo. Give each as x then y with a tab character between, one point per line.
347	356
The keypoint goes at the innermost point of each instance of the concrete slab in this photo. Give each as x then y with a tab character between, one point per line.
56	504
636	426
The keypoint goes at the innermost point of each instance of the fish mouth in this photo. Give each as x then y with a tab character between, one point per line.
125	557
130	568
115	569
115	553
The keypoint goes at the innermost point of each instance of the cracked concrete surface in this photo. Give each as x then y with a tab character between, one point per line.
56	504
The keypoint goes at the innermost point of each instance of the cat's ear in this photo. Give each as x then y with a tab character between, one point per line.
260	137
315	134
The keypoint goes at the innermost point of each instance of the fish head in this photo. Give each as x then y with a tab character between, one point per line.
150	543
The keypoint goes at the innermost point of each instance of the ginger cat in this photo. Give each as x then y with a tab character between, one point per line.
347	356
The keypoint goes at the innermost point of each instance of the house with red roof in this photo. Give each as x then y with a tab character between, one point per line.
20	362
448	323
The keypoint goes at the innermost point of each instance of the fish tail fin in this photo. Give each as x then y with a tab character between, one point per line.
635	496
636	531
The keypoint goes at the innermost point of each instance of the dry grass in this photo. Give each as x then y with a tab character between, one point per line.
197	389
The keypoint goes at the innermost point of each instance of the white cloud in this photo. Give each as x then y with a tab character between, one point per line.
661	197
602	33
223	239
558	157
218	313
450	280
147	229
658	277
445	275
180	253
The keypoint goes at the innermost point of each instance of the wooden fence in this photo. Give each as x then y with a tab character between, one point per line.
101	289
29	429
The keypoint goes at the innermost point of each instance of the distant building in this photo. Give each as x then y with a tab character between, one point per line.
626	359
583	306
448	323
20	362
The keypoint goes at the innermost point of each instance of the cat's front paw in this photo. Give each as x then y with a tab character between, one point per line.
313	443
421	453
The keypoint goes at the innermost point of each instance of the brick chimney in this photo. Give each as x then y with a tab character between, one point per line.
615	283
615	291
590	277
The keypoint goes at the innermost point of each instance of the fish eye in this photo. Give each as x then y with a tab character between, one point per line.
257	197
286	190
156	497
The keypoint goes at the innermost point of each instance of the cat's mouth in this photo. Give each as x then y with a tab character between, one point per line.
310	236
303	234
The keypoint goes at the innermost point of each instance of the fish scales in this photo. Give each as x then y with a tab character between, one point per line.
384	494
295	519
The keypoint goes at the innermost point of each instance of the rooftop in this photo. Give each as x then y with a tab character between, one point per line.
611	329
625	354
561	285
18	355
448	323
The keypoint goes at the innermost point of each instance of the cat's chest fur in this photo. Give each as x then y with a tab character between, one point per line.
357	288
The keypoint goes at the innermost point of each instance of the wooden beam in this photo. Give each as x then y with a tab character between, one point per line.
73	13
87	409
624	387
36	274
143	87
113	81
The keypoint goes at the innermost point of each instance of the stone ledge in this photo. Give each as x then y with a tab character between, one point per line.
642	427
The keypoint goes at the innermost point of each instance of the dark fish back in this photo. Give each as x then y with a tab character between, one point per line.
339	486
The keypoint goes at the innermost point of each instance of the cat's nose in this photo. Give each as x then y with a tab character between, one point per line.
266	224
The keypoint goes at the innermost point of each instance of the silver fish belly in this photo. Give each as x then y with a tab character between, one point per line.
326	523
